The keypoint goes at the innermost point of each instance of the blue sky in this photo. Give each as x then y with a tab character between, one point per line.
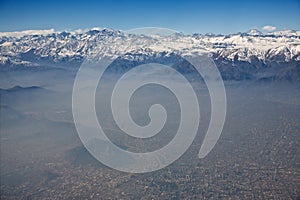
184	16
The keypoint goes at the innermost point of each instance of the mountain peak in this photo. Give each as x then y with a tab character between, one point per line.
254	32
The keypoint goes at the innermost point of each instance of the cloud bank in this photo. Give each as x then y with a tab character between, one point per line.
27	32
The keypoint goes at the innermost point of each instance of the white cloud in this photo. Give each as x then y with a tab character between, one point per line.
27	32
269	28
77	31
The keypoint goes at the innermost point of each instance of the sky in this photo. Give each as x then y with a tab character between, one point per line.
185	16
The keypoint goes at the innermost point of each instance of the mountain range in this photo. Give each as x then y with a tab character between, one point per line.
250	55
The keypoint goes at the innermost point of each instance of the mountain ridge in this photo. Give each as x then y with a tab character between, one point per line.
250	50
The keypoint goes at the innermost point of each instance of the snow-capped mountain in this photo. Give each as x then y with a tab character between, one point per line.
242	50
